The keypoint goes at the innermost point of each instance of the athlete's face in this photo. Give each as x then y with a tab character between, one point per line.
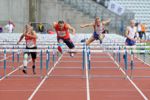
132	23
29	28
98	22
61	25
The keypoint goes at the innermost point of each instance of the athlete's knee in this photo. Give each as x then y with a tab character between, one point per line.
33	59
60	44
87	42
25	61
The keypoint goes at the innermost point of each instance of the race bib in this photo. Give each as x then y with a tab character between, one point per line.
61	33
30	43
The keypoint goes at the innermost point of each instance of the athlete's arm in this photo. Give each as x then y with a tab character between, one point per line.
13	24
87	25
54	24
21	37
145	41
106	21
71	28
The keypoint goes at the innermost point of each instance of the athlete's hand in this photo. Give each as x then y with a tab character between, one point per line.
81	26
18	42
142	41
133	40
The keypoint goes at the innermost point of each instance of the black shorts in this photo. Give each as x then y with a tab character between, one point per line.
140	35
33	54
68	42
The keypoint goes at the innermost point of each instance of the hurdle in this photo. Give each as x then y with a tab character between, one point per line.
86	56
125	52
13	51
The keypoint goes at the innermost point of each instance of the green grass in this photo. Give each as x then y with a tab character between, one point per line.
148	44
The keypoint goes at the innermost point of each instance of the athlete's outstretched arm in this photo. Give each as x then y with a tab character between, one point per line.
106	22
71	28
54	24
87	25
144	41
21	37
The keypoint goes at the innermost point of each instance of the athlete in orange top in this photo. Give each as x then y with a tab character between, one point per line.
30	38
143	30
63	35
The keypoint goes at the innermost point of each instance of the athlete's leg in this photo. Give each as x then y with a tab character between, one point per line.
101	37
70	45
25	62
60	45
34	55
90	40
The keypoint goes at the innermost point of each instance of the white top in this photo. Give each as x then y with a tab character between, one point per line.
132	32
9	28
99	29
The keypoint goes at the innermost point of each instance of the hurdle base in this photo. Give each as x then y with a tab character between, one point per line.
24	76
67	76
107	76
134	77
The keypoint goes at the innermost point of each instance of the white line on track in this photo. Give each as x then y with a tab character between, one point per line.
87	78
44	79
7	57
12	71
135	86
142	61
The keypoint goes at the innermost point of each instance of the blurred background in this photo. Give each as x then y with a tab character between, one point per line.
42	13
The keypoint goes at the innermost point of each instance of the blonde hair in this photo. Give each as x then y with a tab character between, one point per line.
27	27
96	19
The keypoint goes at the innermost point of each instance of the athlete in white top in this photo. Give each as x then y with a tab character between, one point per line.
99	30
131	34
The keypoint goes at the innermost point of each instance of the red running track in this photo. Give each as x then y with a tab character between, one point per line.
61	86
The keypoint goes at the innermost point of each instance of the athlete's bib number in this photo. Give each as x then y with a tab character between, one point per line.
61	33
30	43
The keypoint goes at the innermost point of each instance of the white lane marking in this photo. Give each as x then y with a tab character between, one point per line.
135	86
87	78
44	79
12	71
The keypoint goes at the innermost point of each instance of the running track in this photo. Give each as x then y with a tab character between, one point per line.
74	87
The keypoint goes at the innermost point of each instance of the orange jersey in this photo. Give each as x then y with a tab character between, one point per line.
62	33
30	41
143	29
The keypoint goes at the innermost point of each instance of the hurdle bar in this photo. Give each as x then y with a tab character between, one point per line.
77	47
74	50
41	63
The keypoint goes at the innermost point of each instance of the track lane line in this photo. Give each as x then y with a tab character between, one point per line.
8	57
135	86
44	79
142	61
87	78
13	71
